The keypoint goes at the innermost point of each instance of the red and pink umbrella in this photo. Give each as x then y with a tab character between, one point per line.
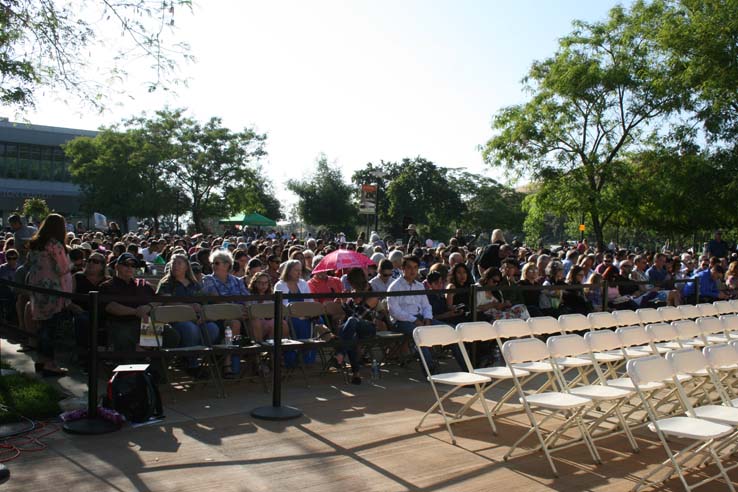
342	259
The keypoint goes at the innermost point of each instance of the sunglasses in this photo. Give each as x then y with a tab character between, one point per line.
9	258
221	263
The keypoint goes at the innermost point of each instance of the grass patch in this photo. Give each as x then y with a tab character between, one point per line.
22	395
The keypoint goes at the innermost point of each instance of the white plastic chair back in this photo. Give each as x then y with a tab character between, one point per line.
730	323
649	369
631	336
723	307
543	325
428	336
599	321
710	326
721	355
524	350
661	332
567	345
734	305
476	331
707	309
670	313
689	311
649	315
602	340
511	328
626	317
686	329
686	360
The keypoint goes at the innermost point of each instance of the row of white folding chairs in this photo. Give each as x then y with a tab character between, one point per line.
710	428
600	346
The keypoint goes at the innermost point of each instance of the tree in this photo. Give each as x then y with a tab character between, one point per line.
596	98
206	161
324	199
119	173
253	195
35	208
47	43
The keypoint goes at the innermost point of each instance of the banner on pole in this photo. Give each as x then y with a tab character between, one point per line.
368	202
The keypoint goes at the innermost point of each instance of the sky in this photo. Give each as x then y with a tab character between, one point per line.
358	80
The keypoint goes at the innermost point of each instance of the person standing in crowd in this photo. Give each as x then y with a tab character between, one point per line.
22	235
717	246
48	267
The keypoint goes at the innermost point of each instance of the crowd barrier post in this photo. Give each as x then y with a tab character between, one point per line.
92	424
277	411
605	291
473	301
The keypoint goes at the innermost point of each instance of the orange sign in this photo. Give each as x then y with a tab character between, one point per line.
582	228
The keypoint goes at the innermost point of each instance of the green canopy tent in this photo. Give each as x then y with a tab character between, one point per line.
253	219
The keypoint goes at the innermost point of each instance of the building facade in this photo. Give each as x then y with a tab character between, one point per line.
33	164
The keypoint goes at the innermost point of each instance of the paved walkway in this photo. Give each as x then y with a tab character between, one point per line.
351	438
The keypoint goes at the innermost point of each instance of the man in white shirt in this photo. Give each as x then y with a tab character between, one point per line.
408	312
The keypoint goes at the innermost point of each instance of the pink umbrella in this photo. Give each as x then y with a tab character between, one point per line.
342	259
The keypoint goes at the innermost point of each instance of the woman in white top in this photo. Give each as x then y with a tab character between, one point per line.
291	281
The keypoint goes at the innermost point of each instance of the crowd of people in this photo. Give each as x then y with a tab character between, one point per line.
570	278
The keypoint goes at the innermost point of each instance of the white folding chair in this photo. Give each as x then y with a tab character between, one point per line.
724	307
704	434
662	337
606	349
626	317
570	323
708	309
688	333
723	361
635	341
570	346
506	329
712	330
548	404
693	362
602	320
543	326
730	325
481	331
734	304
429	336
649	316
689	311
670	314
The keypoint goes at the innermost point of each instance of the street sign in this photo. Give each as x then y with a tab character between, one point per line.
582	228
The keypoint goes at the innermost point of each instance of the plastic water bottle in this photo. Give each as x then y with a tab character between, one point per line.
375	370
228	336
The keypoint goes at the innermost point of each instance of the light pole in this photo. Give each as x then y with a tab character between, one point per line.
377	173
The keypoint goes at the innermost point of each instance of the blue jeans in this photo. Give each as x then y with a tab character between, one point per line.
355	329
190	335
407	327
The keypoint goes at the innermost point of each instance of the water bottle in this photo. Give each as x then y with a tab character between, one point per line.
228	336
375	370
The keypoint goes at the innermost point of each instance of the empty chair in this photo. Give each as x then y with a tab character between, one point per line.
564	347
547	404
506	329
626	318
723	360
573	322
662	337
708	309
688	333
734	304
724	307
670	313
481	331
598	321
705	434
712	330
543	325
689	311
649	315
429	336
634	341
730	325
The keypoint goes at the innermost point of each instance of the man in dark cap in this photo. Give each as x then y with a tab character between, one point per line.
123	317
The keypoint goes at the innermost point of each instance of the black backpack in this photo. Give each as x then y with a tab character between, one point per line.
134	395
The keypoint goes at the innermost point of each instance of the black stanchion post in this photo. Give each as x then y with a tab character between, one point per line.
473	301
604	295
92	424
277	411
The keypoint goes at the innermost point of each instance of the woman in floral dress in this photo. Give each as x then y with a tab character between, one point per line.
49	268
